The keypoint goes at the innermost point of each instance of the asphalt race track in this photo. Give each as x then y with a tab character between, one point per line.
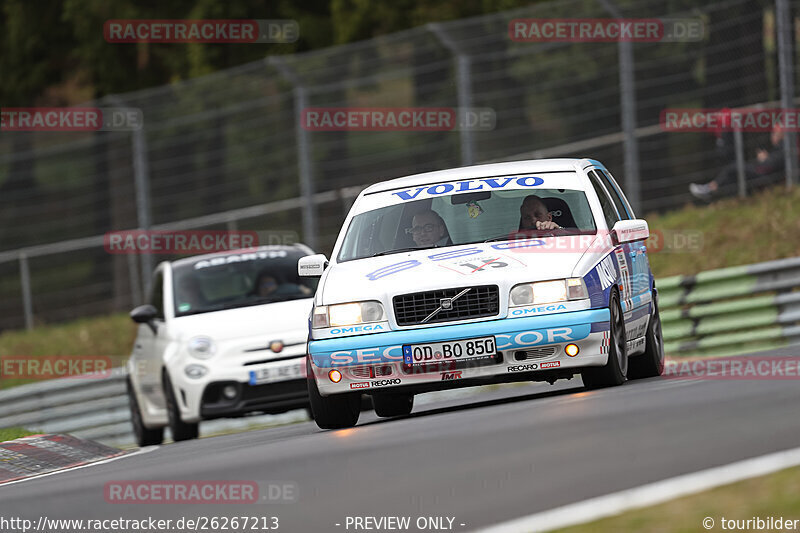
490	458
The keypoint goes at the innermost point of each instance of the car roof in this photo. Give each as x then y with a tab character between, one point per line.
296	247
484	171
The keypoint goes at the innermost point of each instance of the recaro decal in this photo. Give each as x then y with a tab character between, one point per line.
468	185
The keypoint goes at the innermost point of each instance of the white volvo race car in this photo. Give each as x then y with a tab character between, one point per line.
531	270
223	335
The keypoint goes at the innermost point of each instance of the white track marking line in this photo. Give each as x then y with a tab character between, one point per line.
141	451
650	494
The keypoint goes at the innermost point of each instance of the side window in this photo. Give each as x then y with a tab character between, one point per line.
615	197
157	294
609	211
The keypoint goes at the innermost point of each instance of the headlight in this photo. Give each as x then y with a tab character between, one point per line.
202	347
545	292
347	314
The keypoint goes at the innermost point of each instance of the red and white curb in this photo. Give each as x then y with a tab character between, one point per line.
42	454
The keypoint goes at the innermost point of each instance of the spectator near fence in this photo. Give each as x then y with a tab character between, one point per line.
768	164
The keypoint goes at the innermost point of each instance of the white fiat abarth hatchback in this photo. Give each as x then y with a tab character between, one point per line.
224	335
530	270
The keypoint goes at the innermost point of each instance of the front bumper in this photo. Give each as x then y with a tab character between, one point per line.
528	348
200	399
267	398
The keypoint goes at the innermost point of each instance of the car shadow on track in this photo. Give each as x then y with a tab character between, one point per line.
468	403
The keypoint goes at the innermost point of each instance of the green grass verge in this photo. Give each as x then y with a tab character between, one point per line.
773	495
13	433
110	336
760	228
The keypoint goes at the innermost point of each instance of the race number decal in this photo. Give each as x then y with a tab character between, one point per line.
482	263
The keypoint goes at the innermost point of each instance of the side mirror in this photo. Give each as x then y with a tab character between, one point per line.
629	231
312	266
145	314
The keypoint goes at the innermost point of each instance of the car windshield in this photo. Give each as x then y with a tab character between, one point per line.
466	218
239	280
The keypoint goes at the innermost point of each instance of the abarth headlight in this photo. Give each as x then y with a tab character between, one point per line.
202	347
349	314
545	292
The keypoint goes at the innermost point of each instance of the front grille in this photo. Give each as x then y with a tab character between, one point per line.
384	370
535	353
361	372
367	372
412	309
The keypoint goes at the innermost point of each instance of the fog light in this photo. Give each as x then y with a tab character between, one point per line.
571	350
335	376
229	391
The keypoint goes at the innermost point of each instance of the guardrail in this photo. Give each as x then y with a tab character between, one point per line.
732	310
96	409
726	311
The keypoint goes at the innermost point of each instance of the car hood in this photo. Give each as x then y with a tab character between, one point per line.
503	264
286	321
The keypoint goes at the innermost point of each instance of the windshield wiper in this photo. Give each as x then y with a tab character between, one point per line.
399	250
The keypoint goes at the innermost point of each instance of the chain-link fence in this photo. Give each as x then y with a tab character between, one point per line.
225	151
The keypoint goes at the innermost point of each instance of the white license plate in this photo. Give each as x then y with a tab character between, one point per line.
275	373
444	352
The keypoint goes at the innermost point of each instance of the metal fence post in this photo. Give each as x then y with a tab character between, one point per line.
135	281
738	144
141	174
785	26
27	297
463	90
627	96
303	151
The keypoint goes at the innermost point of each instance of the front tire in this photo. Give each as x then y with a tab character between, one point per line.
332	412
616	369
393	404
180	430
651	363
144	435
